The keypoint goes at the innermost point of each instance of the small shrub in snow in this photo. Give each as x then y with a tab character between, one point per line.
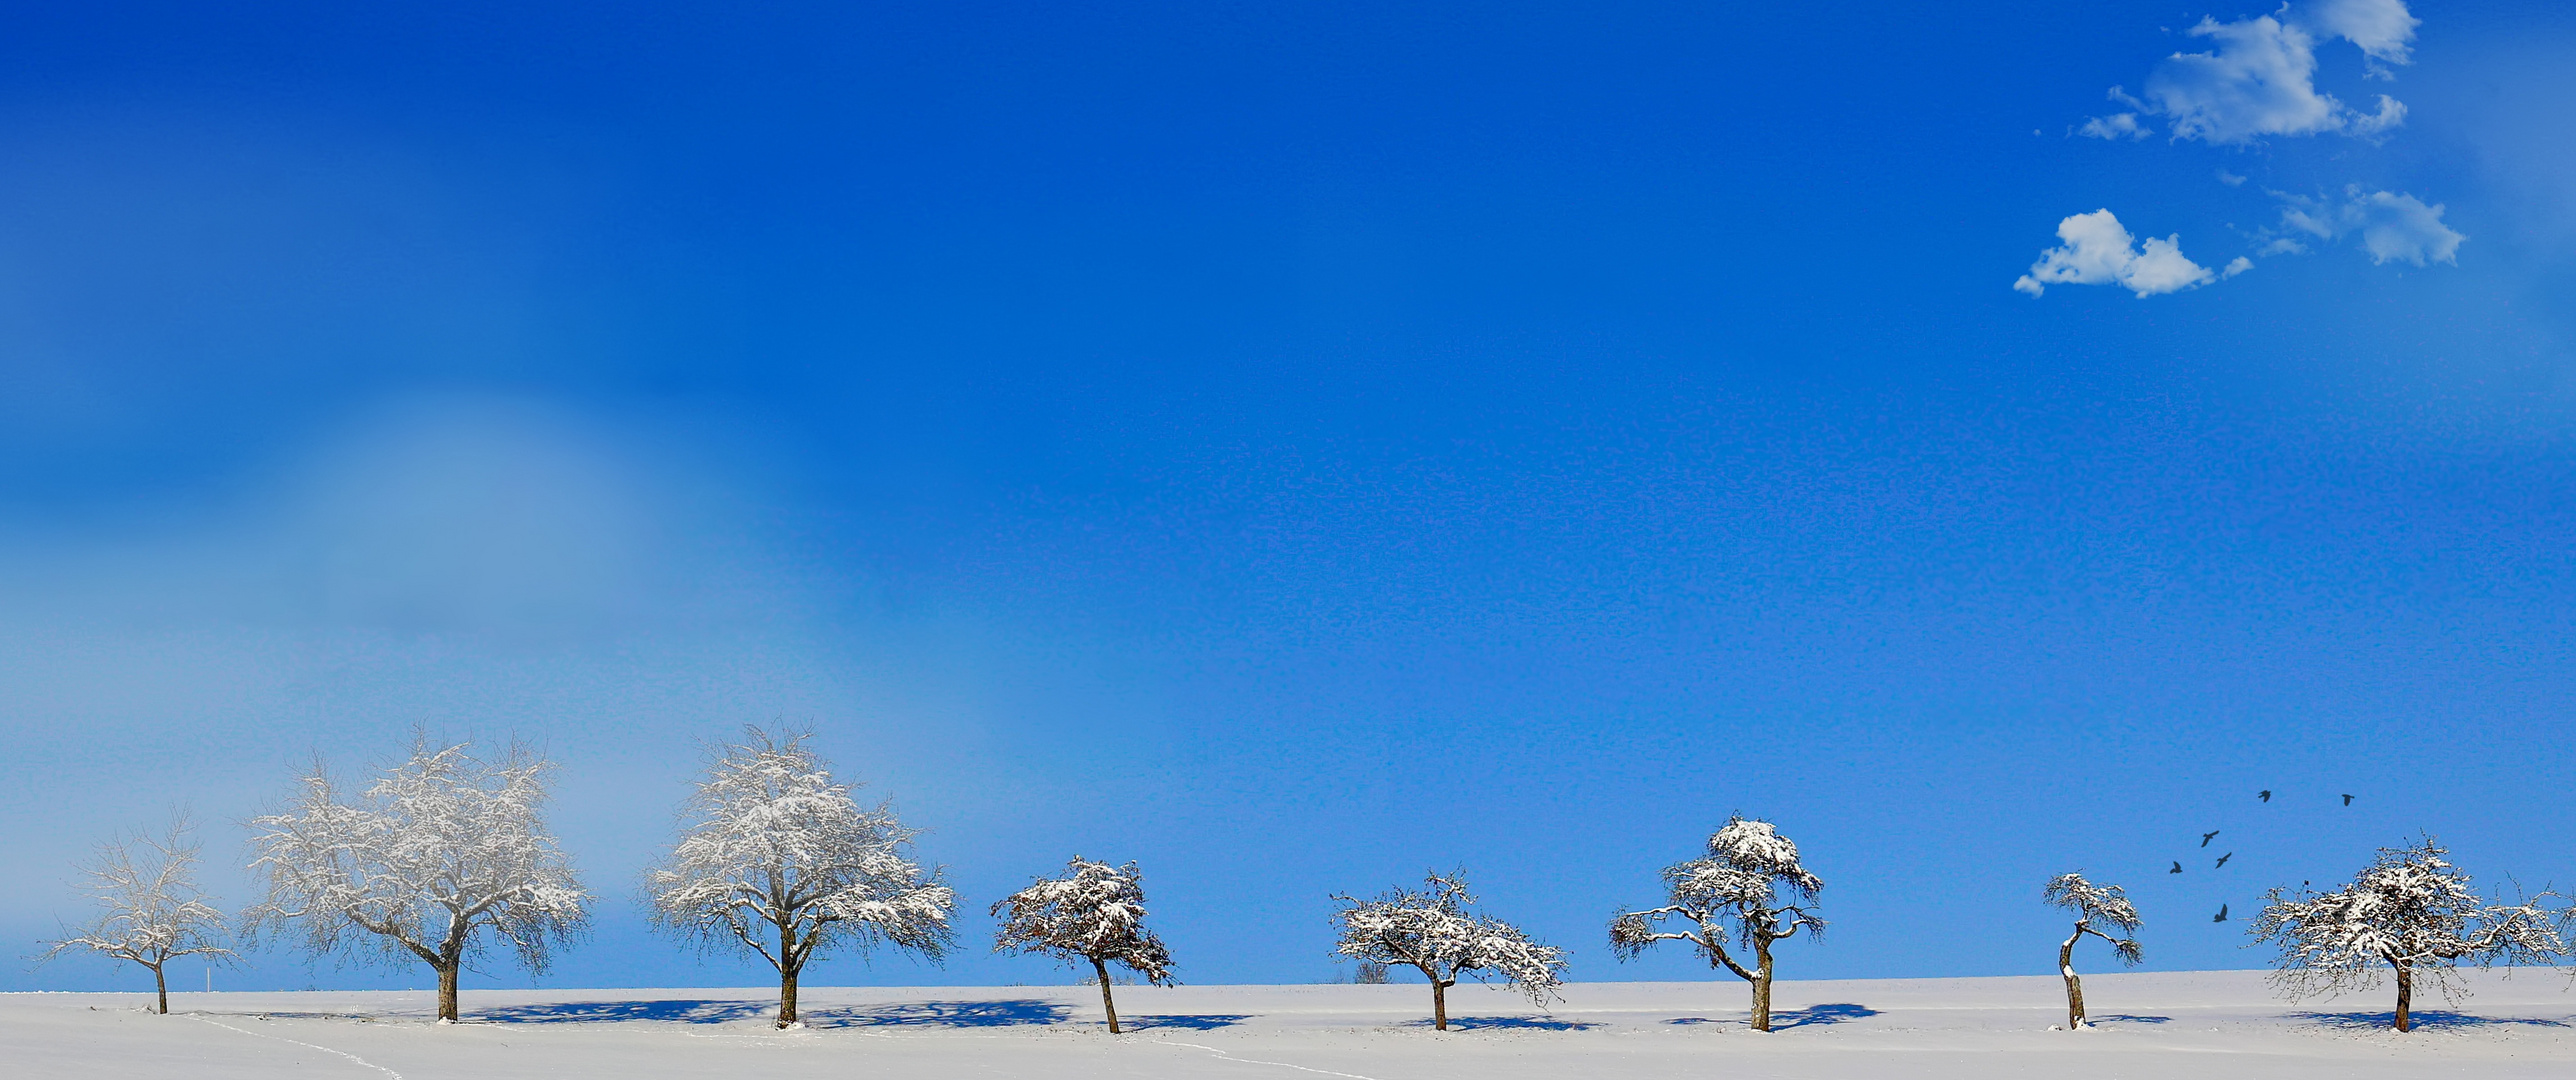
2409	910
1094	913
1433	932
1735	892
776	856
151	910
442	854
2092	904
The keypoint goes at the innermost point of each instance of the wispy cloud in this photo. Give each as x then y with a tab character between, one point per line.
2393	227
2115	126
2258	77
2098	250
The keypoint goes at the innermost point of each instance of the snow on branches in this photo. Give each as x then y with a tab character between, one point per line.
2091	903
440	854
151	909
1096	913
1433	932
775	855
1736	891
2409	909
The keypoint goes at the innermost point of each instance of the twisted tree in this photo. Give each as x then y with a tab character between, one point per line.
1734	892
1094	913
2091	904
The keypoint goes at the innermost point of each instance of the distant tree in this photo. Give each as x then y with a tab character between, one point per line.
1735	892
151	911
2091	903
1433	932
1095	913
775	855
2411	910
438	857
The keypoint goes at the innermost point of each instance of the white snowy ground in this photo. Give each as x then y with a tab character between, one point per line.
2201	1026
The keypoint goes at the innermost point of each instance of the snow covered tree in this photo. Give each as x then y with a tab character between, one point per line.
2411	910
151	909
1433	933
1095	912
1734	892
2091	903
775	855
440	856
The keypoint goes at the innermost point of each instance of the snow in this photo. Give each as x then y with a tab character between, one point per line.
2199	1025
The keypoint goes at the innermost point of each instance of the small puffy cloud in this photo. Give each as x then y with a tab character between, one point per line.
2393	227
2115	126
2396	226
2230	179
2384	29
2259	76
2235	266
2098	250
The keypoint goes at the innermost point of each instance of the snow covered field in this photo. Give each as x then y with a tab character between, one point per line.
2202	1026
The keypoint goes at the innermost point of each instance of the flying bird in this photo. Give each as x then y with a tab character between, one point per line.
2347	800
2177	868
2265	795
2206	837
2222	861
2221	916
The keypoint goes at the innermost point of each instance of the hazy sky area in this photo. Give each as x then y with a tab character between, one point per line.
1295	446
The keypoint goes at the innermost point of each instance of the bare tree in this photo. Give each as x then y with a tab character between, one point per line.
2091	903
151	911
1095	912
1433	932
1733	892
442	855
775	855
2411	910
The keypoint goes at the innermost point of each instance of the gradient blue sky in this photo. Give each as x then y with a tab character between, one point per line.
1294	446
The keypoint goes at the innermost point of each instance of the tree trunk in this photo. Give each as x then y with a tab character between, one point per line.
161	987
1106	1005
2405	997
1439	1004
1762	983
2074	986
788	969
447	989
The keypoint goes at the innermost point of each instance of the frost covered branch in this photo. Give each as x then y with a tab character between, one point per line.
2091	903
1737	891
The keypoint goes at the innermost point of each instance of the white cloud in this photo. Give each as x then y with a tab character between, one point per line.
2230	179
2393	227
2099	251
2384	29
2115	126
2235	266
2259	77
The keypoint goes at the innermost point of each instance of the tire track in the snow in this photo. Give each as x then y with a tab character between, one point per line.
298	1042
1251	1061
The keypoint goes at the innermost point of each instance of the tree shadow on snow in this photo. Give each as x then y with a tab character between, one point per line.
2423	1018
961	1014
1201	1022
1782	1019
608	1012
2125	1018
1509	1023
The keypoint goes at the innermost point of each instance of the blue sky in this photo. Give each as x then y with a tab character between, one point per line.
1298	446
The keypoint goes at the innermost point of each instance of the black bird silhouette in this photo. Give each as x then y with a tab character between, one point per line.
2265	795
2347	800
2176	870
2221	916
2206	837
2222	861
